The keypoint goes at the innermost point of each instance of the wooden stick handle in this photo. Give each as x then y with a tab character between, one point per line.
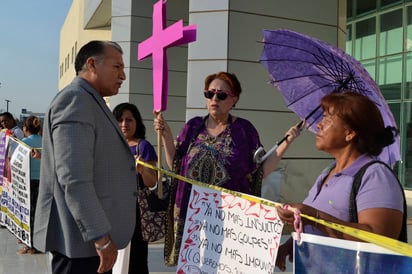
159	165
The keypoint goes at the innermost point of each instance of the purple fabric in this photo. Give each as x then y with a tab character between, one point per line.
146	151
379	189
305	69
235	159
226	161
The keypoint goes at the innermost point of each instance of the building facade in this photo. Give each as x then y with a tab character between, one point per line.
379	35
229	35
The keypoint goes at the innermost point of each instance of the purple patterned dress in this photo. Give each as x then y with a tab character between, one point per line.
225	160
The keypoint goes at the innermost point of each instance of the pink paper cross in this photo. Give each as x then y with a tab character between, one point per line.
161	39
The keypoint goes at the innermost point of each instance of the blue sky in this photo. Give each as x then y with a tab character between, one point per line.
29	52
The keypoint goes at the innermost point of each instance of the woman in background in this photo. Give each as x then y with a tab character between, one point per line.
31	129
131	124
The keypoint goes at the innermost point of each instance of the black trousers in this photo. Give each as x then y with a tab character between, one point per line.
34	193
65	265
138	263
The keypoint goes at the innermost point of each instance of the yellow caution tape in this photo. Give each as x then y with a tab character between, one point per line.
386	242
383	241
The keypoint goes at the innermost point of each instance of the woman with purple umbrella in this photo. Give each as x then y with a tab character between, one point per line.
353	132
217	149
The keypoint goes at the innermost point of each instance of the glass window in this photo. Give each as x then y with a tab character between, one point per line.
391	91
363	6
407	136
408	40
390	77
408	76
384	3
391	33
370	67
349	7
365	39
348	46
396	111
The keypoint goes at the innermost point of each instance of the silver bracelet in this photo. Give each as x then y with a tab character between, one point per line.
103	247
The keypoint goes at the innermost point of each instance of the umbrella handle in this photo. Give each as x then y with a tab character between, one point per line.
260	159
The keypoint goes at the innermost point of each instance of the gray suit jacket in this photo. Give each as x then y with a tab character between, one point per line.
87	178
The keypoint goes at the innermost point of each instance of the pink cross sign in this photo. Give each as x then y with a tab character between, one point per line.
156	46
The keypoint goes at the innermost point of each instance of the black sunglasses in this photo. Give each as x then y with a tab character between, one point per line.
221	94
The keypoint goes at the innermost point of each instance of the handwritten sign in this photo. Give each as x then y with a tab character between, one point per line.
228	234
161	39
15	195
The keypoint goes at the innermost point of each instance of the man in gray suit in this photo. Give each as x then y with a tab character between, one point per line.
87	198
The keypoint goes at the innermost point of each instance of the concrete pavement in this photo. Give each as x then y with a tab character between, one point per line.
12	263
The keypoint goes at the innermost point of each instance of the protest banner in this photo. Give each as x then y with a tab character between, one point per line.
15	195
383	254
313	255
225	233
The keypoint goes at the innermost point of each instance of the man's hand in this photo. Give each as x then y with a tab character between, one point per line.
107	251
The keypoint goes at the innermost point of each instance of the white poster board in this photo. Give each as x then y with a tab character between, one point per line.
15	195
228	234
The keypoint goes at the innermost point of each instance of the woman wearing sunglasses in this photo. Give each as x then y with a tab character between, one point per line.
217	149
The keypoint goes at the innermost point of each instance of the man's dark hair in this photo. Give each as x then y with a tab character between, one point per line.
94	48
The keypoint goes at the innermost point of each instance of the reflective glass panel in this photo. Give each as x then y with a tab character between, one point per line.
390	76
363	6
365	39
408	76
396	111
408	40
391	33
408	144
348	46
349	7
370	67
384	3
